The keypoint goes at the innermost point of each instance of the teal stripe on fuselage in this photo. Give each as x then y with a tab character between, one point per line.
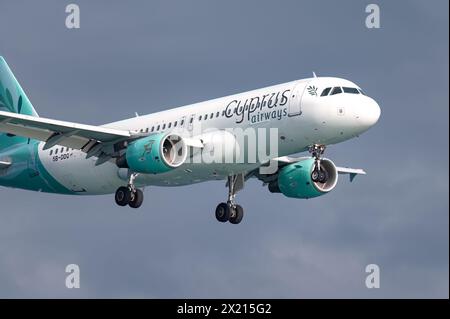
27	171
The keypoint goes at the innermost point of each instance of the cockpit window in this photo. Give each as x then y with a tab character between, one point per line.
325	92
350	90
336	90
362	92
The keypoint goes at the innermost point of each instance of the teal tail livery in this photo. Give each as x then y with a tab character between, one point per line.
12	99
27	171
230	139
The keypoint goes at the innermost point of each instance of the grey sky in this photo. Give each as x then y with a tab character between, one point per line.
147	56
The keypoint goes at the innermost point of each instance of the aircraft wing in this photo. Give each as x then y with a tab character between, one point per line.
96	141
54	132
352	172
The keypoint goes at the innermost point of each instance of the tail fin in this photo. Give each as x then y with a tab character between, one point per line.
12	99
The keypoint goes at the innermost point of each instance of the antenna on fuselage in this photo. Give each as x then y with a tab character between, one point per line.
314	74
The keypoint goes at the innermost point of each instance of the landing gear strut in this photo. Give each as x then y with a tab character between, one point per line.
318	175
230	211
129	195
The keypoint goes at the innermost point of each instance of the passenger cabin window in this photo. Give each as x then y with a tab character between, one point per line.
191	120
212	115
164	126
56	151
51	152
200	118
146	130
182	122
336	90
325	92
217	114
153	128
350	90
170	125
175	124
158	127
206	116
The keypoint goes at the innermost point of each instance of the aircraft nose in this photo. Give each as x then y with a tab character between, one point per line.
371	113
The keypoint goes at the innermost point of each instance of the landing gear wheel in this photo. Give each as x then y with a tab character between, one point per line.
230	211
223	212
129	195
238	214
123	196
315	175
318	175
137	199
323	176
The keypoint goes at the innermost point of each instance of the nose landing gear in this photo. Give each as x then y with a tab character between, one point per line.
129	195
230	211
318	174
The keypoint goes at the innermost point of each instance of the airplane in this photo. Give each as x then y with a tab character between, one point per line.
167	148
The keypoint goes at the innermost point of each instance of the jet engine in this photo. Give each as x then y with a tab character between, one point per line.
155	154
294	180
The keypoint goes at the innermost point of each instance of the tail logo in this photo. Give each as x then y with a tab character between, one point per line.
7	101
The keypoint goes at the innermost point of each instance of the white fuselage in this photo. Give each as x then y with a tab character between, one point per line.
296	109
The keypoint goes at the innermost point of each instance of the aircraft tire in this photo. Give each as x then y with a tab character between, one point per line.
223	212
238	215
123	196
137	199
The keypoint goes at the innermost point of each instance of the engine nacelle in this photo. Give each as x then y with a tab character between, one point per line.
156	154
294	180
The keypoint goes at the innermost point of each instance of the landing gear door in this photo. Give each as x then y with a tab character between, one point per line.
295	105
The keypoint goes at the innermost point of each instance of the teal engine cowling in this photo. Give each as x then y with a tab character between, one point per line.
156	154
294	180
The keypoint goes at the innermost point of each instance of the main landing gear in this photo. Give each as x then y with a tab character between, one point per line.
129	195
230	211
318	175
